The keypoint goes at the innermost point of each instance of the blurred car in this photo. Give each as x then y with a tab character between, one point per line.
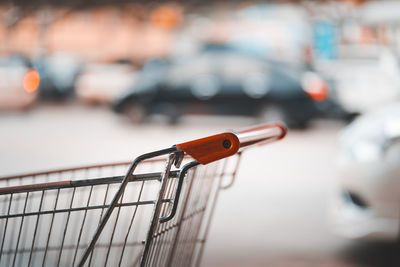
362	85
219	80
103	83
367	203
19	83
58	73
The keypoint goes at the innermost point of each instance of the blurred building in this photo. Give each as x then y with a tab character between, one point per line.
102	33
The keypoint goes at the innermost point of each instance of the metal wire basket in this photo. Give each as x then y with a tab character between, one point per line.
155	211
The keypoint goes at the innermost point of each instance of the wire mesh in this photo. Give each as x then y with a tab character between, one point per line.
49	218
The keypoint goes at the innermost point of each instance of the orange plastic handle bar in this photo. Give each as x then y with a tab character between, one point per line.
215	147
211	148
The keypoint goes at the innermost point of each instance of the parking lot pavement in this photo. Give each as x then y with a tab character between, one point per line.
275	214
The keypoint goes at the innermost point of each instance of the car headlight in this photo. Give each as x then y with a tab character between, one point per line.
366	151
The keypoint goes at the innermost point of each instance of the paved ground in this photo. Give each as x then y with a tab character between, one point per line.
276	213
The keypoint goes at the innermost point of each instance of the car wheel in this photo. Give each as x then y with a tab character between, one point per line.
170	112
173	119
135	113
273	113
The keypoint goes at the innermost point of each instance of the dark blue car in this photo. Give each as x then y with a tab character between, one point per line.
223	81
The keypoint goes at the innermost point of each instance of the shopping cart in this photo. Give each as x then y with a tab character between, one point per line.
155	211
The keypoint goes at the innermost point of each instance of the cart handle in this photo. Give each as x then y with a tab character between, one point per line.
215	147
261	134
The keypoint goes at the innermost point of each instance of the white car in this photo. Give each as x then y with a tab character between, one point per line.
362	85
18	83
103	83
367	203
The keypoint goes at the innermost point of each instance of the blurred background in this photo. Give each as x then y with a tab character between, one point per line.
84	82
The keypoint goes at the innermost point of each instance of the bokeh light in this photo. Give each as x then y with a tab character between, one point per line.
166	17
31	81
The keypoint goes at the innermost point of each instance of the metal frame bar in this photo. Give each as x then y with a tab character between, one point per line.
86	182
157	209
118	195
